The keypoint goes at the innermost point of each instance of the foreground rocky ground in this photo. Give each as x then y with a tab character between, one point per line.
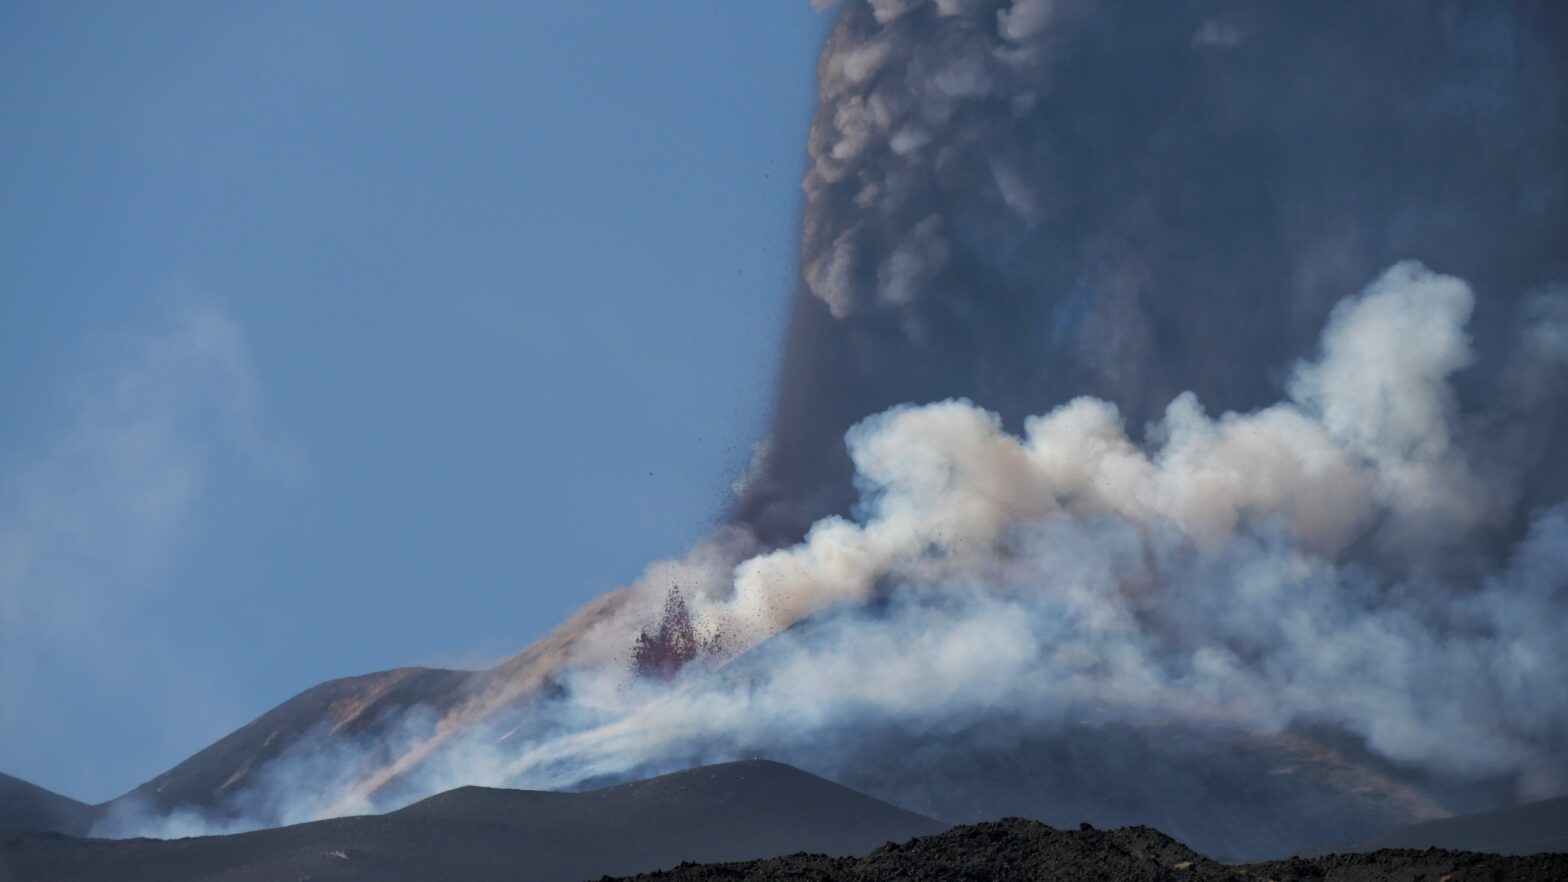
1016	850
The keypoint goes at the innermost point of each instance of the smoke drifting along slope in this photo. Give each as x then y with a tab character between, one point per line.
1125	447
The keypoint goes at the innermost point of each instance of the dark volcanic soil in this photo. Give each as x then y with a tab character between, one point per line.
726	812
1016	850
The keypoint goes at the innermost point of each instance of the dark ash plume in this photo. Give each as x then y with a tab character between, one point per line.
1021	202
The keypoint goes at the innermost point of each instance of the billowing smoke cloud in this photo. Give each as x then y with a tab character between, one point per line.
1323	561
1298	563
1022	202
1077	431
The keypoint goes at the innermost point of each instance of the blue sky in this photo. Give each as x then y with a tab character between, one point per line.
343	336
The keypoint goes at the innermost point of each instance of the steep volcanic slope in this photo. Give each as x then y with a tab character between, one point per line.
1015	850
1523	829
345	707
365	708
25	806
362	706
728	812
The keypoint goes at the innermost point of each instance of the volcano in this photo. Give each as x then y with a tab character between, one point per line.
1170	432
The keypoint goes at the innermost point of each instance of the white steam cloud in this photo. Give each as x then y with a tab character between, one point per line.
1349	557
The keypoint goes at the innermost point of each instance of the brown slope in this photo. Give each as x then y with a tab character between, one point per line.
727	812
363	706
349	706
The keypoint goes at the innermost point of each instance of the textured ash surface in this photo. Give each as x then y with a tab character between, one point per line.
1016	850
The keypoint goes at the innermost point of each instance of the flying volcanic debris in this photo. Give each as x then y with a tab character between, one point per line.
1172	414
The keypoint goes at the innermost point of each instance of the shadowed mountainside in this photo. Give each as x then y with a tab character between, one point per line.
25	806
733	811
1522	829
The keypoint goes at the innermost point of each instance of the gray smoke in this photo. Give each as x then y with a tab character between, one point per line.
1293	564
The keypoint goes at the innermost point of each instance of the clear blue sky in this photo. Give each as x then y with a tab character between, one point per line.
342	336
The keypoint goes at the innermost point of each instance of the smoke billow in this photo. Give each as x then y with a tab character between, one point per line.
1300	563
1195	369
1022	202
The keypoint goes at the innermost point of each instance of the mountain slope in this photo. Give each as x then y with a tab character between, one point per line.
763	805
732	811
363	707
347	706
25	806
1523	829
1224	792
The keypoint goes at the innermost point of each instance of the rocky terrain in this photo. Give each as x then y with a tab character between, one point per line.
1016	850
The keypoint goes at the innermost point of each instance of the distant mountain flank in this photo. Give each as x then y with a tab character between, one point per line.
1522	829
347	706
363	707
727	812
25	806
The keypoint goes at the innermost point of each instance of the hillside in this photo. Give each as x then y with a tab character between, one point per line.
347	706
1523	829
733	811
25	806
